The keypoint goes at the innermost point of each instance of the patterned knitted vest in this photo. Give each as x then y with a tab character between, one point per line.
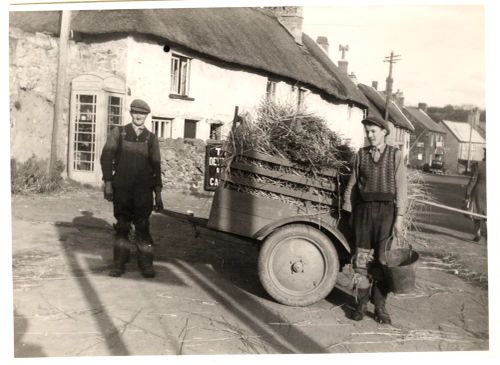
377	180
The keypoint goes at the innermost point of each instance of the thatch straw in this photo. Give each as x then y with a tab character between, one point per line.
416	190
281	130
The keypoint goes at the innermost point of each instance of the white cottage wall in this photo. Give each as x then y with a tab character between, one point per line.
216	90
341	118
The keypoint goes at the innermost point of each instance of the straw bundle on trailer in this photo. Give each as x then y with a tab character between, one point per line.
311	151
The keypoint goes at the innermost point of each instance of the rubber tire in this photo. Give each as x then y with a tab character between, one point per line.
322	243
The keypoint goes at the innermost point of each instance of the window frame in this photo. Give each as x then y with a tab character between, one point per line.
161	122
271	86
195	129
176	87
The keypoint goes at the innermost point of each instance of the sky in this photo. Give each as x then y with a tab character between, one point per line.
442	48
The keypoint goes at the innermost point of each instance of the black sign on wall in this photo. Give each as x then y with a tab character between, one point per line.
213	165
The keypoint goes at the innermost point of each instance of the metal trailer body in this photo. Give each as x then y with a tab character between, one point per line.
302	247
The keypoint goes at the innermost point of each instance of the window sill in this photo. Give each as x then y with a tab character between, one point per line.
182	97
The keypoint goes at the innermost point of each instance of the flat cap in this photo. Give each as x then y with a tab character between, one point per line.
372	119
140	106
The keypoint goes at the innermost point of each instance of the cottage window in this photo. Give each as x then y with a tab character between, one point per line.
162	127
179	75
115	111
270	89
300	98
216	131
84	147
190	128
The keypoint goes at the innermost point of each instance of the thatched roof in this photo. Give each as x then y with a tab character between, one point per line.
244	37
417	115
377	107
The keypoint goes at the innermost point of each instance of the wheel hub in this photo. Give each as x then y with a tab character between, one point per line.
297	267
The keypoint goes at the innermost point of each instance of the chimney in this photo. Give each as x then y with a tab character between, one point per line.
375	84
423	107
353	77
343	66
399	98
343	62
323	43
291	18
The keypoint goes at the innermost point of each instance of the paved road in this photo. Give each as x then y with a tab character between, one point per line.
207	298
449	191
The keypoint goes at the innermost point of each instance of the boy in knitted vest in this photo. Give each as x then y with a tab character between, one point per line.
375	197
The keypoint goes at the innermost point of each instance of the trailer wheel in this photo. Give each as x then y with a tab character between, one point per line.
298	265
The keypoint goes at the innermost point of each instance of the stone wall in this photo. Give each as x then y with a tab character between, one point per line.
33	61
183	164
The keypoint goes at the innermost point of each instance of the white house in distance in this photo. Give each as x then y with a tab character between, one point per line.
193	67
462	144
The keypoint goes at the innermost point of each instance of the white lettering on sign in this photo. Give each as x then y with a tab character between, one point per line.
214	161
213	181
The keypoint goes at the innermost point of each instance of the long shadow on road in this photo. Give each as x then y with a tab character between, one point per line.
233	282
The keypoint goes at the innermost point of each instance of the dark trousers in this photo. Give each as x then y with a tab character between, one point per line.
373	223
133	204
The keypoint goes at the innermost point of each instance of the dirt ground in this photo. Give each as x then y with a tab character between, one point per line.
206	297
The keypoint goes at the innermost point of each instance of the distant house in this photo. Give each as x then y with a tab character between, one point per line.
193	66
427	143
458	148
401	127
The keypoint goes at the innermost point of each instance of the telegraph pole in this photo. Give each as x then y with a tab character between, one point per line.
472	121
388	82
60	86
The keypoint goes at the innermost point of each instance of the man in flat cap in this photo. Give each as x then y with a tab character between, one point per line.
131	169
376	197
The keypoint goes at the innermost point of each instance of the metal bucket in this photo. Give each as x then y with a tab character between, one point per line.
400	269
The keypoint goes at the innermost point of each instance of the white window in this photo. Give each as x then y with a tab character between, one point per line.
420	157
300	98
179	75
162	127
270	89
115	111
84	148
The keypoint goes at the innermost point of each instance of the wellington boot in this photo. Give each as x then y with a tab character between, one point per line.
121	256
362	303
145	263
382	316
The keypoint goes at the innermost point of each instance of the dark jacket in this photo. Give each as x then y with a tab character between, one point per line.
128	159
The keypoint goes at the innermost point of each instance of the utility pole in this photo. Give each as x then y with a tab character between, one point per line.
60	87
388	82
472	121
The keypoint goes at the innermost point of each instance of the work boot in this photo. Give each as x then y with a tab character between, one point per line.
145	262
121	255
382	316
362	303
145	256
379	298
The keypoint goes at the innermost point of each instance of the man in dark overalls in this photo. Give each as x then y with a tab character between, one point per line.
131	169
376	196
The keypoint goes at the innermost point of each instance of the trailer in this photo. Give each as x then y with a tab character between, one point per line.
291	211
